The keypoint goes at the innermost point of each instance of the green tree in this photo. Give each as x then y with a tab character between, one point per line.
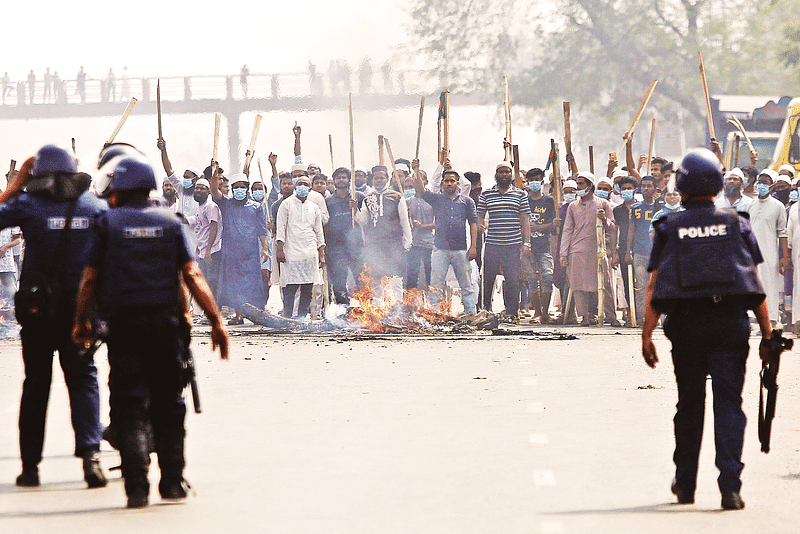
601	55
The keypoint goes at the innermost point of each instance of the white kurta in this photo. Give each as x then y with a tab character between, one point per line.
299	227
793	232
768	219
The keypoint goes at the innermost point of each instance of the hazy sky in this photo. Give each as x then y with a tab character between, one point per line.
169	37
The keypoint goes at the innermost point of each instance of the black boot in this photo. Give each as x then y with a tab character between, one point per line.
92	473
135	462
29	478
169	448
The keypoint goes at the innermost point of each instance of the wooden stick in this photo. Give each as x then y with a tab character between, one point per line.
122	120
567	305
709	117
439	140
507	106
736	122
652	143
419	126
601	257
352	160
330	144
74	150
632	303
253	138
515	156
558	194
381	159
391	158
11	170
567	130
446	129
217	120
735	152
638	115
158	108
591	159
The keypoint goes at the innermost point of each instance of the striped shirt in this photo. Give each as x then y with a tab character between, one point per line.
504	210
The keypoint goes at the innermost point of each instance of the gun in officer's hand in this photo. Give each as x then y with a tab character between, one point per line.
191	378
98	337
769	375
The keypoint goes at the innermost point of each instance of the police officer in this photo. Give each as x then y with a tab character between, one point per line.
704	279
55	192
136	259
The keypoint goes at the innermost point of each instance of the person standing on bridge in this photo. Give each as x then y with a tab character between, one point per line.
243	74
703	277
80	85
31	85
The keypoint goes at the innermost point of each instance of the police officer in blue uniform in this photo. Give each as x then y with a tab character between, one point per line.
704	279
45	304
136	260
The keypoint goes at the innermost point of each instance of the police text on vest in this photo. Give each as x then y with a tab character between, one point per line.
139	232
694	232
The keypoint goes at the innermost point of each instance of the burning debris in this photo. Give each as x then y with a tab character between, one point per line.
389	309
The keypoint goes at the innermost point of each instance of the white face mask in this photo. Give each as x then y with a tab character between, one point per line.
582	192
569	197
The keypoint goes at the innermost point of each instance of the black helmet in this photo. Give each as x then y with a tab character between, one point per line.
700	173
52	159
133	172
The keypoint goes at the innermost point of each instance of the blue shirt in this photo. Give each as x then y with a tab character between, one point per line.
451	217
641	217
41	220
504	211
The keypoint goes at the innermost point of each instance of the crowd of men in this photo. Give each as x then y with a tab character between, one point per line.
309	234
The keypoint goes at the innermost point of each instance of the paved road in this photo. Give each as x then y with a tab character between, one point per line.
398	435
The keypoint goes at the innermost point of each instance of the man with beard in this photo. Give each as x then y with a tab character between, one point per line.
768	219
732	192
387	230
579	250
299	246
343	239
168	193
208	225
508	237
186	205
360	178
257	193
245	225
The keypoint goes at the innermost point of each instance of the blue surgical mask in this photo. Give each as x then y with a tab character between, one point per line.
535	185
762	189
627	195
258	195
361	187
188	183
239	193
302	191
602	194
793	196
410	193
616	188
569	197
383	190
670	208
582	192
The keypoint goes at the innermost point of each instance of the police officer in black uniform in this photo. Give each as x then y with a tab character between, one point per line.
45	304
136	261
704	279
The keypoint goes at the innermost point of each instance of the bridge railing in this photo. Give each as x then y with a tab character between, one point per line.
213	87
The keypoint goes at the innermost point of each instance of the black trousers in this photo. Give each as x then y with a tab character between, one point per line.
340	262
304	307
505	257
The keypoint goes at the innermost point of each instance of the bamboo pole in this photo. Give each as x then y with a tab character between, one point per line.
638	115
330	145
122	120
419	126
446	129
214	150
253	138
507	107
591	159
567	130
515	156
632	303
439	140
736	122
352	160
652	143
158	108
735	152
381	159
74	150
391	158
712	134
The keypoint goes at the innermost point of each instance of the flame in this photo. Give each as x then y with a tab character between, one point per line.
384	312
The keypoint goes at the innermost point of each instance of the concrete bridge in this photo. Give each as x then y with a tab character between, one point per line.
229	95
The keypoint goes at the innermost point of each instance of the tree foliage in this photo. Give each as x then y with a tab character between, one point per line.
601	55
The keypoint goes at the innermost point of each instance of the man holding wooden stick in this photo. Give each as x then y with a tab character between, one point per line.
579	250
344	242
186	205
